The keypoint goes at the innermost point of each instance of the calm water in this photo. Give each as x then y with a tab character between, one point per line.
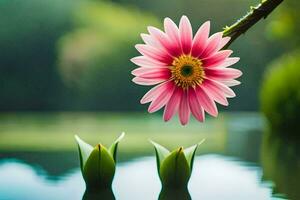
214	177
251	166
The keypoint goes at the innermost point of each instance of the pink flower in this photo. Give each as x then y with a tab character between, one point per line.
190	73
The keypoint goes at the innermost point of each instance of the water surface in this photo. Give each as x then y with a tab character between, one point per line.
214	177
239	160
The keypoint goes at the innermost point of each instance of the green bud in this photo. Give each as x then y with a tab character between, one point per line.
175	168
97	164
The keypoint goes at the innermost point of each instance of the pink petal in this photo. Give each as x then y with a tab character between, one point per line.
214	92
146	81
154	53
186	34
147	62
157	90
206	102
172	32
223	42
150	41
199	42
212	45
222	73
229	61
157	75
170	47
144	70
161	100
184	110
173	104
195	106
217	59
227	91
230	83
152	73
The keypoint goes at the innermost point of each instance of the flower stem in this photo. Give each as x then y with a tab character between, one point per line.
255	14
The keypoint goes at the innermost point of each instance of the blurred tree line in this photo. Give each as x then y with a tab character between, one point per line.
280	92
28	35
74	54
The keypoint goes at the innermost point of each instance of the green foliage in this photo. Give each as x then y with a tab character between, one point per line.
94	57
174	168
280	95
97	164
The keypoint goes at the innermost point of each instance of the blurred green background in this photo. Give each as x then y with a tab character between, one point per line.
73	55
65	70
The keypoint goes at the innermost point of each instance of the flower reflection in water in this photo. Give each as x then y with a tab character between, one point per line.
167	194
106	194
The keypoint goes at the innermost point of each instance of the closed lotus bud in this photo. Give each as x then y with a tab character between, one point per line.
97	164
175	168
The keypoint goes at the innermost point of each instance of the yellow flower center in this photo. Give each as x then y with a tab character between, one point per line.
187	71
